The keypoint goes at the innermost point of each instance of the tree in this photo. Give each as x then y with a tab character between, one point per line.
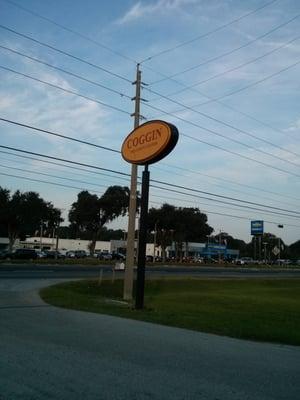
90	213
190	226
294	249
161	221
180	224
24	213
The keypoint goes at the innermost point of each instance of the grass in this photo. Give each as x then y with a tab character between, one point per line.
264	310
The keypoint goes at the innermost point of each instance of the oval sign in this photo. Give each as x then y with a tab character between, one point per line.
150	142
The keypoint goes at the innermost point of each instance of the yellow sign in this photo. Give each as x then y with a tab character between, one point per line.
150	142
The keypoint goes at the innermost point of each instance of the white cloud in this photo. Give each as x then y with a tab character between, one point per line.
141	10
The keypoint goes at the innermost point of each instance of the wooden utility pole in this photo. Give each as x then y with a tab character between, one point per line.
128	277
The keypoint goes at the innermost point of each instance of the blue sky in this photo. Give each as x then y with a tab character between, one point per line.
248	78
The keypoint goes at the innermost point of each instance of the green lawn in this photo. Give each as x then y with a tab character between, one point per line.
265	310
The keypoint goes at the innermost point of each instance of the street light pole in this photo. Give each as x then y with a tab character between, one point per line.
265	251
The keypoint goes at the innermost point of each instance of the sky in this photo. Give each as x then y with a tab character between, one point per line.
226	73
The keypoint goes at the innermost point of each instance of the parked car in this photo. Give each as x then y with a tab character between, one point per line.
118	256
104	256
41	254
24	254
76	254
53	254
5	254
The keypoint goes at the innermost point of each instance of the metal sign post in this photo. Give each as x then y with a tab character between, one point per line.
140	281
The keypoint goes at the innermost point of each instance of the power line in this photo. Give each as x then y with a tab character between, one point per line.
214	99
65	90
231	189
208	33
154	181
200	204
78	188
221	196
250	85
157	109
225	202
65	71
71	167
117	151
47	182
64	27
65	166
83	36
230	181
237	216
231	51
58	135
51	175
64	160
236	67
154	186
232	127
66	53
216	146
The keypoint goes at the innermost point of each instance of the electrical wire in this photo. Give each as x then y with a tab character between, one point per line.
117	151
231	189
214	99
251	61
200	204
51	175
145	66
225	202
234	128
203	35
65	90
65	166
154	186
48	132
230	181
220	196
250	85
99	67
65	71
46	182
236	216
152	180
227	53
64	160
67	29
157	109
79	188
73	168
216	146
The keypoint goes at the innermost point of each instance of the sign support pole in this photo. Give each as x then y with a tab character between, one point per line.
128	275
140	282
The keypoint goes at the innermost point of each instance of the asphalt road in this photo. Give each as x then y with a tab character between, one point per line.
52	353
52	271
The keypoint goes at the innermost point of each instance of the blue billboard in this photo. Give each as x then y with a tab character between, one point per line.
257	227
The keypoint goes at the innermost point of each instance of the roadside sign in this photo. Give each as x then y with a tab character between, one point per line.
257	227
150	142
275	251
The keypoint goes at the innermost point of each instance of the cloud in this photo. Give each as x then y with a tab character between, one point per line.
141	10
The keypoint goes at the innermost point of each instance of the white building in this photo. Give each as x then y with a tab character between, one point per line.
111	246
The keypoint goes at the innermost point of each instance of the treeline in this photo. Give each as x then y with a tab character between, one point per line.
27	214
